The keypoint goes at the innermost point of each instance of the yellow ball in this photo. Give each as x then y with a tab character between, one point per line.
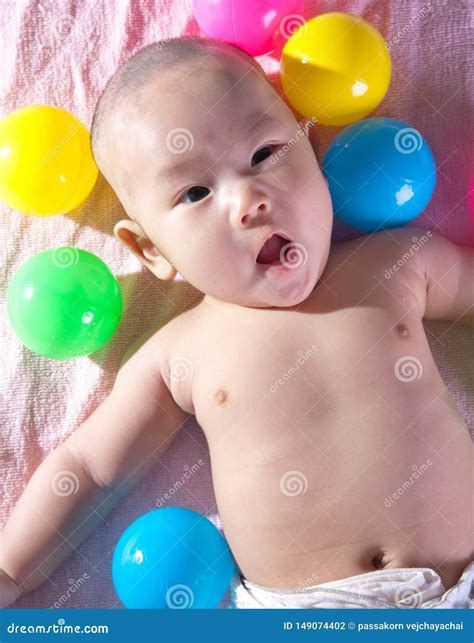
335	68
46	163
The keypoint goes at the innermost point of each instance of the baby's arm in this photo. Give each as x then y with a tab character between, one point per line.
438	274
84	477
448	276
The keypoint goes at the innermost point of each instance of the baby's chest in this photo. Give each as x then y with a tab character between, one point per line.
282	363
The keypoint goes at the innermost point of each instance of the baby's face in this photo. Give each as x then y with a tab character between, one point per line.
216	165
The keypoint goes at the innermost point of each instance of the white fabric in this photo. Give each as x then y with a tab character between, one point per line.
387	588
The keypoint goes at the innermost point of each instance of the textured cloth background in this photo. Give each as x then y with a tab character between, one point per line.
62	53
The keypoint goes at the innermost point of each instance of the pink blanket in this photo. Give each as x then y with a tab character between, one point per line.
62	53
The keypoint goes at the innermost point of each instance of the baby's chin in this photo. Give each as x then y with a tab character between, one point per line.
289	299
274	294
290	289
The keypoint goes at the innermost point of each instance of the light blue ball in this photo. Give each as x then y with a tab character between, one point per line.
381	174
172	558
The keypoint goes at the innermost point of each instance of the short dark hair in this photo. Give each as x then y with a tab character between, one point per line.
137	70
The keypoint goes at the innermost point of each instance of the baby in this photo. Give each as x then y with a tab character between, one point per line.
342	468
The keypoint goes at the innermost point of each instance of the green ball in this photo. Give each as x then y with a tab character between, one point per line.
64	303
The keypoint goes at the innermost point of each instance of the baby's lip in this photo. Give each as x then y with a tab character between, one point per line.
280	241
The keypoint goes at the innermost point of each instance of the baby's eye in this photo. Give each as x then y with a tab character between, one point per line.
262	154
195	193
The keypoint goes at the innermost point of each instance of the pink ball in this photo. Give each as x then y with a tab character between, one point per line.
255	27
470	195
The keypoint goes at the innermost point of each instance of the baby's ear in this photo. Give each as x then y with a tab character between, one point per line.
131	234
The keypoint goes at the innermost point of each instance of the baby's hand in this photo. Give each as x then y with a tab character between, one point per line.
102	460
9	590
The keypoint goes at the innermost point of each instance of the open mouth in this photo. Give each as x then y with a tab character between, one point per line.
271	251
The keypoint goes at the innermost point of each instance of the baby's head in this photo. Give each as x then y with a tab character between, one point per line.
209	162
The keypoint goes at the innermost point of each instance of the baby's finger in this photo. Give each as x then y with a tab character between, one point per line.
9	590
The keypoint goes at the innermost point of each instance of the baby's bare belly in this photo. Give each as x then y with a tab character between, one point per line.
349	459
311	499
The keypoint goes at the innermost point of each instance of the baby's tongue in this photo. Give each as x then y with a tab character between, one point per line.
271	249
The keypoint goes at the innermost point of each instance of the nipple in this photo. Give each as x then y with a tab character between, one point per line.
402	331
220	396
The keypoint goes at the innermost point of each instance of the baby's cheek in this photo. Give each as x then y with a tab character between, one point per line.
301	173
202	256
282	172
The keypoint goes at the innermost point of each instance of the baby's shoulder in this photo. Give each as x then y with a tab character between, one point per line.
159	344
382	265
379	247
180	332
166	353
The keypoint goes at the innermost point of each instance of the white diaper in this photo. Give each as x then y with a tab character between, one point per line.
402	587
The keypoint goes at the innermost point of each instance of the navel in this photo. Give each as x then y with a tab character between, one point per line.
220	396
380	560
402	331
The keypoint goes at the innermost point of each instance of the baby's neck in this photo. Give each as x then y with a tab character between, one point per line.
223	305
220	304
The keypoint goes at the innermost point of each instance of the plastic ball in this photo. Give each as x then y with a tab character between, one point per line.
255	27
64	303
172	558
46	164
381	174
335	68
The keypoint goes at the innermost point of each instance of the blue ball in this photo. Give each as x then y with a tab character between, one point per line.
381	174
172	558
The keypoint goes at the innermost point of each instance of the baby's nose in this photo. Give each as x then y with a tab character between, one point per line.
249	207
